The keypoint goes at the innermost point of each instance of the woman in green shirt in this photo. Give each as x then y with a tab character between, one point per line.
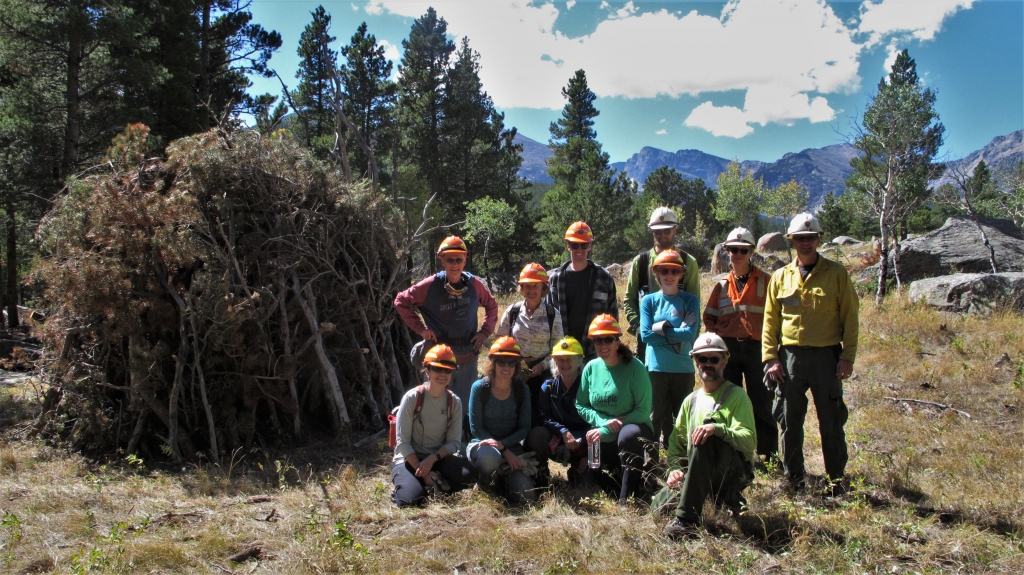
615	397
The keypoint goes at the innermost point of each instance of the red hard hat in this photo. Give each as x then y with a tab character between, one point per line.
440	356
604	324
505	346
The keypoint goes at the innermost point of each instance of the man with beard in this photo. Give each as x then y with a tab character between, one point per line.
711	451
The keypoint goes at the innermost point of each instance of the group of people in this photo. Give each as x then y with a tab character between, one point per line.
560	384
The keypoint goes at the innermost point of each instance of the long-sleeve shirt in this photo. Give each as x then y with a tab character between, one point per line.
820	311
431	429
621	392
662	355
733	421
532	332
601	297
557	406
731	312
453	319
499	419
689	283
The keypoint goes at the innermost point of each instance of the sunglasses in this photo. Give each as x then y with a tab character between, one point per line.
710	359
454	261
577	245
743	251
506	362
603	340
804	238
663	232
670	271
436	369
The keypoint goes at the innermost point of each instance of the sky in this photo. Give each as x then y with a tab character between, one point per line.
746	79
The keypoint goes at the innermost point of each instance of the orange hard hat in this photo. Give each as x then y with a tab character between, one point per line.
505	346
452	244
604	324
440	356
579	232
533	273
669	258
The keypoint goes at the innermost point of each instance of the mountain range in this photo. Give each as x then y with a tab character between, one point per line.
820	170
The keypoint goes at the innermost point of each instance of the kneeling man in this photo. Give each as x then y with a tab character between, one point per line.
711	450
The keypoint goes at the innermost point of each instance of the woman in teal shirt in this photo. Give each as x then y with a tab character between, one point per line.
668	326
615	397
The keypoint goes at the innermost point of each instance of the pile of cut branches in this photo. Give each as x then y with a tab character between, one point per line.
238	290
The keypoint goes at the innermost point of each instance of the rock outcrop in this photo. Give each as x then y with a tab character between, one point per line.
845	241
971	293
957	247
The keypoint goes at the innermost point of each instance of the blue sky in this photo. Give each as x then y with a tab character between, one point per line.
748	79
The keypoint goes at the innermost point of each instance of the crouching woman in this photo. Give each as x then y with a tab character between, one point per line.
428	435
499	418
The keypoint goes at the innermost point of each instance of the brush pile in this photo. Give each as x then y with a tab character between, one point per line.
238	290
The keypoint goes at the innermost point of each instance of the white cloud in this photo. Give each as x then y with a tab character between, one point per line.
921	20
661	132
719	120
661	121
375	8
390	51
570	4
786	55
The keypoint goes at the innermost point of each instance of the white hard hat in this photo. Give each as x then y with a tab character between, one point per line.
804	223
709	342
740	237
663	219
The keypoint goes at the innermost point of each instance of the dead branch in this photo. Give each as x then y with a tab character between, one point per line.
941	406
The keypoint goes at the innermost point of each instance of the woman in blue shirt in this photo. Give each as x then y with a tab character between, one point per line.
499	419
668	326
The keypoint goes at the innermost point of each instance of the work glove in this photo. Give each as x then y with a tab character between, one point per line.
529	467
689	319
440	485
660	327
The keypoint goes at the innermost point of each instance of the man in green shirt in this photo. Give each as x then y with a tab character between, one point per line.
711	451
643	280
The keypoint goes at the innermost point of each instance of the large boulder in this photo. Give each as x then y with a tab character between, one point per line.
845	241
720	260
773	242
971	293
957	247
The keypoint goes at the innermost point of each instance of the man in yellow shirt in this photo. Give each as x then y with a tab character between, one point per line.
810	342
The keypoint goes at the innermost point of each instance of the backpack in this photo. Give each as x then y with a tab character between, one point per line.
420	390
513	315
725	396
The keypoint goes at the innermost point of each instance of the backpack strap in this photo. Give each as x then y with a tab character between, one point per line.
725	396
550	310
420	390
513	315
644	261
486	381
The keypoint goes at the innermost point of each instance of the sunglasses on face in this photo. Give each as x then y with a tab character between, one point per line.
672	271
743	251
663	232
454	261
436	369
603	340
710	359
577	246
506	362
804	238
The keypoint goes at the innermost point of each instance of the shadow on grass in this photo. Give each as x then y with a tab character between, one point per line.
773	532
996	523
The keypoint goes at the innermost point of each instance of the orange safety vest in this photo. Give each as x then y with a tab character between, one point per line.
730	313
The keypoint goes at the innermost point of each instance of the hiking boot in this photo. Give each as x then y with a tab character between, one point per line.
795	484
836	488
680	530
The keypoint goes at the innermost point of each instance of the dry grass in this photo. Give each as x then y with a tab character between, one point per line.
936	491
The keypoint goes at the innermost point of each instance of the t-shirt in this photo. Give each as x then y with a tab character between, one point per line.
578	295
621	392
498	419
429	431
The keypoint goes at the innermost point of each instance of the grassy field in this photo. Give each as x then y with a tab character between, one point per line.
937	489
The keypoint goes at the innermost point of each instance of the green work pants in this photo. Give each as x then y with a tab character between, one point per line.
714	468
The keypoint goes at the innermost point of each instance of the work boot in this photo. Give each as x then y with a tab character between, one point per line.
796	483
836	488
680	530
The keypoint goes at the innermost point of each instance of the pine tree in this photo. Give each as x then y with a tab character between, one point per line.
313	97
585	186
371	95
898	141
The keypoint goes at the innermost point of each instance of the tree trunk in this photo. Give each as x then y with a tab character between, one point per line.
12	266
896	263
334	388
883	263
204	67
72	102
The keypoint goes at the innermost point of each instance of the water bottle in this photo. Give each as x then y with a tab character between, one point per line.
594	454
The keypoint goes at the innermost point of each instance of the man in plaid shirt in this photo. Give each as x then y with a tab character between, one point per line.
580	289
